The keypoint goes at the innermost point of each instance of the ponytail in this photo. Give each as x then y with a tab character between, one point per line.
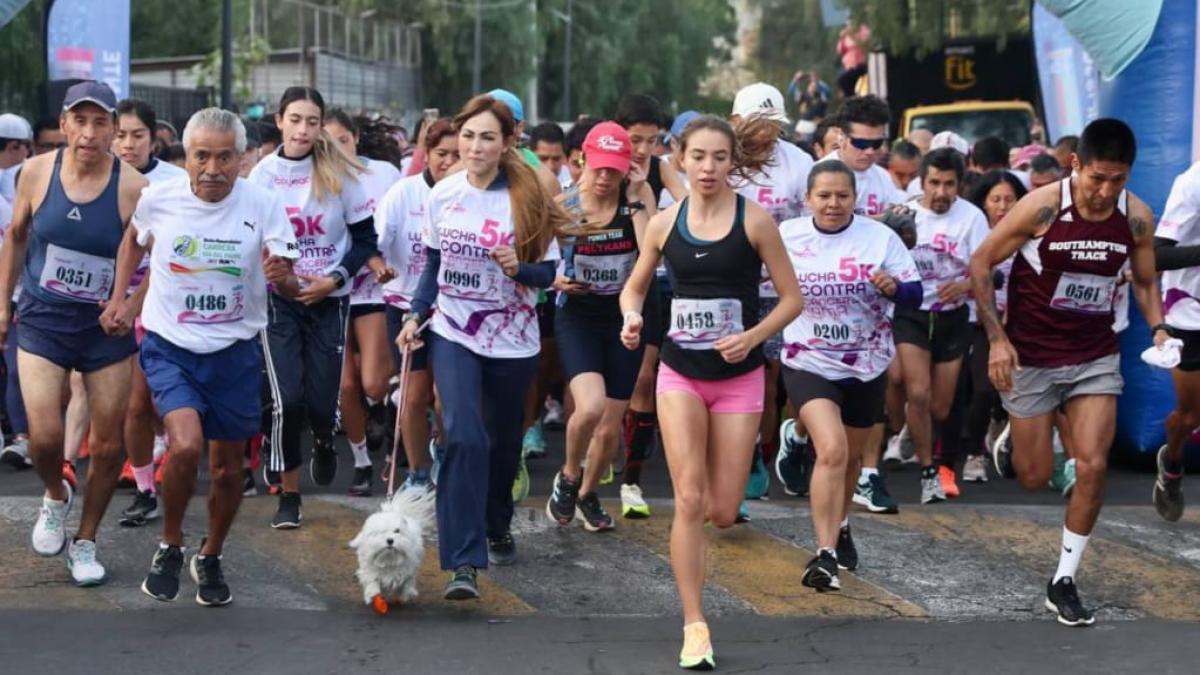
751	140
330	166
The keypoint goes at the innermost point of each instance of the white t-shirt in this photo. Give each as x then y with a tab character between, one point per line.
8	183
163	171
479	307
1180	223
845	330
207	286
399	219
319	225
945	243
380	177
875	187
779	188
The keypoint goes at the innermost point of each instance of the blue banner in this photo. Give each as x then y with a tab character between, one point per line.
1068	76
86	39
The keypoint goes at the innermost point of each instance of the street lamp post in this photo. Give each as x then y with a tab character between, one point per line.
227	54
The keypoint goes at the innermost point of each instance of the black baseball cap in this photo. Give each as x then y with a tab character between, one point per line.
90	91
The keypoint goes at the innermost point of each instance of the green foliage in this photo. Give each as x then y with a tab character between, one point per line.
23	61
793	37
922	26
247	53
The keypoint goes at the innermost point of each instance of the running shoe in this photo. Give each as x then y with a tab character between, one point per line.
975	469
364	476
127	479
323	465
821	573
792	465
609	475
463	584
1002	453
502	551
249	487
931	489
86	570
873	495
847	552
995	428
533	446
633	506
743	514
560	507
520	486
211	589
287	516
1063	478
49	536
900	448
143	509
417	480
16	454
160	470
589	509
436	453
162	583
1168	490
554	418
1062	598
68	474
759	481
946	478
697	652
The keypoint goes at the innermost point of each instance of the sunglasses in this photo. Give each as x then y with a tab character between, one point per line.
867	143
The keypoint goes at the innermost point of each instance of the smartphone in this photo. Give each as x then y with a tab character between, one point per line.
431	114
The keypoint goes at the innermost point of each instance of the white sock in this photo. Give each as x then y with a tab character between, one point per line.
845	523
867	472
371	403
361	458
160	446
1068	558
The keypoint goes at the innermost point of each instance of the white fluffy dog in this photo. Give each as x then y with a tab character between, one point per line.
390	548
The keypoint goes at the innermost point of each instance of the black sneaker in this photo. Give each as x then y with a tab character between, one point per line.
211	589
162	583
463	585
1168	489
1063	599
561	505
502	551
822	573
847	554
592	513
249	487
287	517
377	428
324	463
143	509
363	478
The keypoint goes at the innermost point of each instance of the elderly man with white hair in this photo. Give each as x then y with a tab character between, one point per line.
215	241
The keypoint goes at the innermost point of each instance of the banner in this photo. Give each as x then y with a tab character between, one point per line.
9	9
1068	76
86	39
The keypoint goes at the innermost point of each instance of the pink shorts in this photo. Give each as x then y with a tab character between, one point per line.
741	395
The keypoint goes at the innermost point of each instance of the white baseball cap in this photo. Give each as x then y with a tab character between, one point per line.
949	139
760	98
14	127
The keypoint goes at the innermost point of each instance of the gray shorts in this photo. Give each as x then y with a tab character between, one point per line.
773	346
1037	391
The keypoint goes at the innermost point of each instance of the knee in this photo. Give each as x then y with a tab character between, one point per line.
1090	467
375	386
587	412
941	410
723	517
689	504
831	454
918	397
106	451
608	433
225	473
1187	418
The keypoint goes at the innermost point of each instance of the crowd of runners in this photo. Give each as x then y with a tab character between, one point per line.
712	285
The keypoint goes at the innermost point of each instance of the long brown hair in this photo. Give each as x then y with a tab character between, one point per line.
751	139
330	165
536	218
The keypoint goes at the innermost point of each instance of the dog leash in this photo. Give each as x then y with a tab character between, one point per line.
405	369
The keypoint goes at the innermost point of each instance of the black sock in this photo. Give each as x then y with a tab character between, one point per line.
639	433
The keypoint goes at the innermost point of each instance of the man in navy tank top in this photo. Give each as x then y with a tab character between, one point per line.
1057	349
71	211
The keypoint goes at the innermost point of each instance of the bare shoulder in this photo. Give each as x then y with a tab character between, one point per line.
35	171
1042	204
758	221
1141	217
660	225
132	181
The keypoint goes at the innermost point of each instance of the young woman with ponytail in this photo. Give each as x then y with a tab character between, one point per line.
331	209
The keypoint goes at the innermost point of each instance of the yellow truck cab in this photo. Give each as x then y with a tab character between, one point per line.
1010	120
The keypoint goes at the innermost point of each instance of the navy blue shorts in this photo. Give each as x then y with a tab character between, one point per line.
224	387
69	335
591	346
420	358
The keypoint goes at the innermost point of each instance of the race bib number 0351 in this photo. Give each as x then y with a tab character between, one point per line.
76	275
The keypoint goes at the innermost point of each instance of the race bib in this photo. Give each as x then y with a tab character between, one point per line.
75	275
699	323
835	336
1084	293
209	303
926	259
606	273
474	279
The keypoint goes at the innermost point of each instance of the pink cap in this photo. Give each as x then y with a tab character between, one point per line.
607	146
1026	154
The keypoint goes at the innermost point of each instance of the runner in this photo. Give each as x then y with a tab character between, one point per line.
828	137
903	162
209	236
331	214
398	221
145	444
16	137
71	211
599	371
710	385
47	136
1058	348
1177	251
489	233
549	144
850	269
573	144
367	358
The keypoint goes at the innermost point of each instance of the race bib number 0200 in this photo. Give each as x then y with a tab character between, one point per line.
79	276
1084	293
699	323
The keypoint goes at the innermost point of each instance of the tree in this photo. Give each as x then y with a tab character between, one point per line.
23	61
903	26
793	37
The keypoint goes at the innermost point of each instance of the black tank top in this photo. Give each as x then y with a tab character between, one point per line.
654	178
605	260
715	287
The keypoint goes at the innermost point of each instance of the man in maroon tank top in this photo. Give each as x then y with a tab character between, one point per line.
1057	349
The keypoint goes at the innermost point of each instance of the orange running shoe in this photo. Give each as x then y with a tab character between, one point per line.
68	474
162	465
127	479
84	452
946	477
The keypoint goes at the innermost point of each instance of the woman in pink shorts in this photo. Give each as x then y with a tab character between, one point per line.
710	383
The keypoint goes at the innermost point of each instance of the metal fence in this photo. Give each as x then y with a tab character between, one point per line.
173	104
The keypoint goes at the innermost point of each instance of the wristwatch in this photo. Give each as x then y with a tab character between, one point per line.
339	279
636	206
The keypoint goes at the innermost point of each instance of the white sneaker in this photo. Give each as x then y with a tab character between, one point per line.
931	490
632	503
16	454
49	532
160	447
900	448
554	413
975	469
81	560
